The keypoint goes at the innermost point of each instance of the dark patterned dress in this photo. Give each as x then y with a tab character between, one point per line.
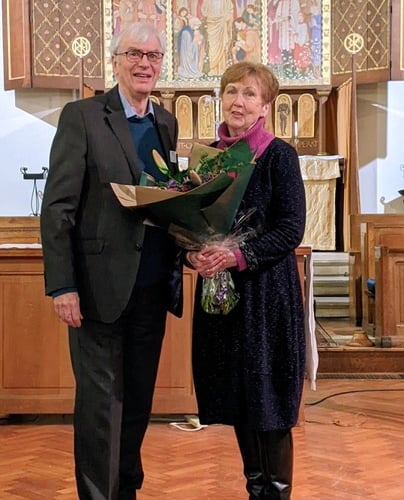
249	365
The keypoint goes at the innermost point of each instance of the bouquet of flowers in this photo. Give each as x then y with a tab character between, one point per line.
198	207
219	295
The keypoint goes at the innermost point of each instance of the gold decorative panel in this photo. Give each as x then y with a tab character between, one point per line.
368	18
55	24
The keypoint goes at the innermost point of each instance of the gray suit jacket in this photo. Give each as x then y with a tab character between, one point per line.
89	240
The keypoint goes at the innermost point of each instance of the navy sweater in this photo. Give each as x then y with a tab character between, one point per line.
158	248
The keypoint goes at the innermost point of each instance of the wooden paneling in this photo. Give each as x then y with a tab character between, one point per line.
174	391
389	313
358	224
31	334
35	371
19	230
35	374
397	40
378	236
16	44
375	234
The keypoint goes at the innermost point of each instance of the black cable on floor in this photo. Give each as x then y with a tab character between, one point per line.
351	392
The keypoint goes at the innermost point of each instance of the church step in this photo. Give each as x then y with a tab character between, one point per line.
331	269
331	311
330	264
360	360
330	285
338	257
331	307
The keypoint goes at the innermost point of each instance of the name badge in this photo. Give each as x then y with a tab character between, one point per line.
173	156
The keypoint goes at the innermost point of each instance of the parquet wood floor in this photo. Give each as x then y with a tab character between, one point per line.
351	446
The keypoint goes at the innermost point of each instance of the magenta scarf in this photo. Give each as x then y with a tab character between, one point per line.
256	136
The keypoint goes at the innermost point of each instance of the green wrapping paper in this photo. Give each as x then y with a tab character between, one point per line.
202	215
207	211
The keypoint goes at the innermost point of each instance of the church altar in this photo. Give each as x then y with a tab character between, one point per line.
320	175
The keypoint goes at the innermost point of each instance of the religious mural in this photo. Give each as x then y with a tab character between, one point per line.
205	36
295	38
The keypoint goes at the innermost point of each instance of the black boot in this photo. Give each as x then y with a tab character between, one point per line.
250	453
277	460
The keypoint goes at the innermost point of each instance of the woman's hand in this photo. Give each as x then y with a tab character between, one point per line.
211	260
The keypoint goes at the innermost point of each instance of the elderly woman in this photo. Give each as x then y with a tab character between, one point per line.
249	364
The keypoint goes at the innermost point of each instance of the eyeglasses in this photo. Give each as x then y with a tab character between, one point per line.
135	56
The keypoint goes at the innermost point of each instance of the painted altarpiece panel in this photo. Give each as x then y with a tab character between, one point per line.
306	112
206	118
184	114
283	116
204	37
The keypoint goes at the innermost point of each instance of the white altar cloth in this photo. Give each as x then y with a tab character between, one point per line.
319	175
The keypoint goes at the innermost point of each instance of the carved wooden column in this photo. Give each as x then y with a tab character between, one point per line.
167	97
397	40
322	129
17	44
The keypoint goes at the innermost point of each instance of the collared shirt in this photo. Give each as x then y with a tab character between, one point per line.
129	111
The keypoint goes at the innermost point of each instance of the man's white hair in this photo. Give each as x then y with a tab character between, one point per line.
138	32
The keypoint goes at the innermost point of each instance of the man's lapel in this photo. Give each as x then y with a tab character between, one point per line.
119	125
167	138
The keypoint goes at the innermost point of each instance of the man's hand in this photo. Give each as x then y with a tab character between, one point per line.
67	307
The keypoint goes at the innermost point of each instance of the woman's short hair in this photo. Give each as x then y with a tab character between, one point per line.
138	32
266	79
